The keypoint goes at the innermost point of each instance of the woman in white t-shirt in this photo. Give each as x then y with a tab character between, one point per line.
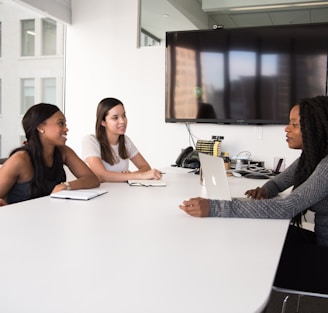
109	151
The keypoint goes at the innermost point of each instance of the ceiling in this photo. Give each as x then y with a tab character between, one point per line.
159	16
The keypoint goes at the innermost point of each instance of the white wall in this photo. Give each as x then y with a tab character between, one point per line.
57	9
103	61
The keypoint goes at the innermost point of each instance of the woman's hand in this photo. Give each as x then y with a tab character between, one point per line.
59	187
3	202
257	193
151	174
85	177
198	207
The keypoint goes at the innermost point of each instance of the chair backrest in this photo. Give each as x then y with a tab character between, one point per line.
298	292
287	292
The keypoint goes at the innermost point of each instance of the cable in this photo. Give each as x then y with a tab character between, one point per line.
247	155
191	136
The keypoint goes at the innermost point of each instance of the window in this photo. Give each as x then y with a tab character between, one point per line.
33	49
28	37
27	85
49	33
49	90
147	39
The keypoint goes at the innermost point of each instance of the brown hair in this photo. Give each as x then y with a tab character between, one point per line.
106	151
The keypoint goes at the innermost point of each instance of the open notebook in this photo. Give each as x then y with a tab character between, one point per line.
147	182
215	176
79	194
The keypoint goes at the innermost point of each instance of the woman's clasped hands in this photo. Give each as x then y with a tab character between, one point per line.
257	194
198	207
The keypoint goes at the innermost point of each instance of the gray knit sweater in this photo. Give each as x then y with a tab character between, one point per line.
312	193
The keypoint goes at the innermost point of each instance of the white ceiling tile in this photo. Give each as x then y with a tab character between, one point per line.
290	17
251	19
319	15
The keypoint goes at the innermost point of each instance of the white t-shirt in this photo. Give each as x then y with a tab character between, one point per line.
91	148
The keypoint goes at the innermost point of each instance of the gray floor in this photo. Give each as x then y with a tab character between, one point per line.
308	304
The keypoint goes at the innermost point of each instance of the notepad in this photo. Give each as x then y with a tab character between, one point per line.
147	182
79	194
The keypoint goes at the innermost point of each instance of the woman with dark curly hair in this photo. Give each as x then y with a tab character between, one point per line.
303	264
37	168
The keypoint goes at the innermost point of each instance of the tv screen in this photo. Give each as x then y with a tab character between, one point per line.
243	75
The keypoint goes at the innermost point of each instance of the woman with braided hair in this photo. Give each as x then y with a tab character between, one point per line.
36	169
303	264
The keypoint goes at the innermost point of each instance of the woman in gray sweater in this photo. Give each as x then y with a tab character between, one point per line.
304	251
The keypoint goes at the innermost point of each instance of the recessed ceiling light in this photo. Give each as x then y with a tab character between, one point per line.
310	4
262	7
278	6
165	15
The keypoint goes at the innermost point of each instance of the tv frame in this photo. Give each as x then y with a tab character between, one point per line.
241	121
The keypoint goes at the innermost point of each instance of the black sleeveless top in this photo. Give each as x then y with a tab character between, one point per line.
53	176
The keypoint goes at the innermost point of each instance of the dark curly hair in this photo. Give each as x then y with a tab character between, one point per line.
314	128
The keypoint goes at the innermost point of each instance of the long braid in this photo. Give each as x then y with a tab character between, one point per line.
314	127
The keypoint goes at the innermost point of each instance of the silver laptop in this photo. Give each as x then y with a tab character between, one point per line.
215	177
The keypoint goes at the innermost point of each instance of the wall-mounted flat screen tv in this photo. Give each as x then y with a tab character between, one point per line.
243	75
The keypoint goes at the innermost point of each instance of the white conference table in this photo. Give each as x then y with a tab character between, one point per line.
133	250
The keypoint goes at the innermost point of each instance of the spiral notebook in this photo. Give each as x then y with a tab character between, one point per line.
147	182
79	194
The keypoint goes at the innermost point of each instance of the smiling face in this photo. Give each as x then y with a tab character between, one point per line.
115	122
54	130
293	129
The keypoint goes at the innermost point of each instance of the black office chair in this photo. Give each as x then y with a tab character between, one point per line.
320	293
300	294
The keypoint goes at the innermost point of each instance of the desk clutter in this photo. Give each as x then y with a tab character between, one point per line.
238	166
188	158
243	165
212	147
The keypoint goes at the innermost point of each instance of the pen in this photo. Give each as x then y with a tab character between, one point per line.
278	166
